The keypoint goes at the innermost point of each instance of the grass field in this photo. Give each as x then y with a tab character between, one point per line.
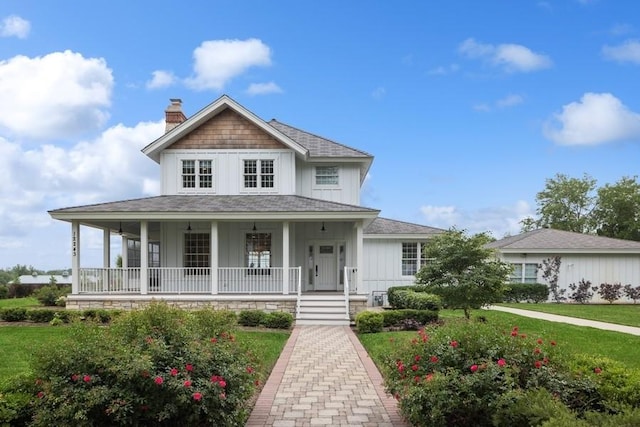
19	302
624	348
622	314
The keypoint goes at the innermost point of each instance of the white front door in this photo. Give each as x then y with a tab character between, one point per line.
326	267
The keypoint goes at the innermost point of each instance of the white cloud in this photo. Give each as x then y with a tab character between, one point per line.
216	62
15	26
499	221
510	100
263	88
161	79
484	108
53	96
596	119
378	93
629	51
621	29
444	70
510	57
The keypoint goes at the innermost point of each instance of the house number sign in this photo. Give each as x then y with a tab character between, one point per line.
74	243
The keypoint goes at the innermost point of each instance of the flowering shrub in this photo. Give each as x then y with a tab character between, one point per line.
467	373
159	366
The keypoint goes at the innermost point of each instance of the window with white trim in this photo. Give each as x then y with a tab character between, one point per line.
258	250
197	250
410	257
197	173
259	173
524	273
327	175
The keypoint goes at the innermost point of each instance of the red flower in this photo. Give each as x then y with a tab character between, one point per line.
414	368
74	377
400	367
215	378
187	383
197	396
474	368
501	362
158	380
537	350
189	367
417	378
257	383
453	344
539	341
538	364
249	370
222	383
514	333
545	360
552	343
597	370
417	358
434	359
214	339
86	378
174	372
40	394
523	336
428	377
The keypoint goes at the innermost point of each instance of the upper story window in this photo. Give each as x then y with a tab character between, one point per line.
197	174
259	174
524	273
326	175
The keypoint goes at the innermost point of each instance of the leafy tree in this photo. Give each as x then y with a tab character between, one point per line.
566	203
463	272
617	212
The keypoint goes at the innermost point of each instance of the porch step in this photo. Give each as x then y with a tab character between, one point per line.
322	310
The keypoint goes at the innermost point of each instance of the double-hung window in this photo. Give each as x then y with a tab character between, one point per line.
197	250
197	174
327	175
524	273
259	174
410	258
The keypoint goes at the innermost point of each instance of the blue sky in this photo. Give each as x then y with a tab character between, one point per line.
467	106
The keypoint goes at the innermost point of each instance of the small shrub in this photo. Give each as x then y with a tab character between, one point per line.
610	291
582	292
632	293
528	408
413	297
40	315
15	314
251	317
616	382
50	294
4	292
67	316
215	322
18	290
396	296
526	292
278	320
369	322
396	318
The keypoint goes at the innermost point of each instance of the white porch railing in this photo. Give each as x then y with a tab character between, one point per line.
350	283
176	280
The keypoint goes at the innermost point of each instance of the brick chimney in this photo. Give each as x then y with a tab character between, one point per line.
173	114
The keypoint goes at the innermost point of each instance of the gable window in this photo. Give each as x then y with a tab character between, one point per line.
258	252
524	273
410	258
259	174
326	175
196	250
202	179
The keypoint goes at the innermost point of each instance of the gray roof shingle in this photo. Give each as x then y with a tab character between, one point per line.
547	238
220	203
390	226
317	145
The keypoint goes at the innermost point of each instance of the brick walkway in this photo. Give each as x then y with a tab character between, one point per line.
324	377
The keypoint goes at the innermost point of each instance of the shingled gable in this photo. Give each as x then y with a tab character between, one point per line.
217	107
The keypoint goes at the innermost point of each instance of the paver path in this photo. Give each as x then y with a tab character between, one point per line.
324	377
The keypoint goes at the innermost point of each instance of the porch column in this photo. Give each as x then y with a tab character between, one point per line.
106	248
285	257
213	255
359	257
144	257
124	253
75	257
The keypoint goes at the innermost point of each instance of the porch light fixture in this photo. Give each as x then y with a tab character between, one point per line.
323	229
120	229
189	227
254	229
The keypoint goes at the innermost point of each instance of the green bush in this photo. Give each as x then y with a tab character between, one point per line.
67	316
394	318
414	297
100	315
278	320
396	296
4	292
615	382
526	292
465	374
369	322
50	294
16	400
155	366
526	408
215	322
40	315
251	317
13	314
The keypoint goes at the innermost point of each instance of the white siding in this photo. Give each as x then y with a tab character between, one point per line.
227	170
597	268
383	265
347	190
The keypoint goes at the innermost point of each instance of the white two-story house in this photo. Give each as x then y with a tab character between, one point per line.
253	214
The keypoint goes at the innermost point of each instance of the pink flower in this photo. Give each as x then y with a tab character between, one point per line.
189	367
414	368
74	377
537	350
538	364
474	368
434	359
187	383
454	344
86	378
417	358
417	378
197	396
597	370
40	394
501	362
428	377
174	372
222	383
158	380
250	370
223	395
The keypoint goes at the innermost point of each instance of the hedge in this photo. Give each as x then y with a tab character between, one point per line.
526	292
394	318
413	297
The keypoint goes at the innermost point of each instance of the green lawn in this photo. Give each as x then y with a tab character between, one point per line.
18	344
19	302
624	348
622	314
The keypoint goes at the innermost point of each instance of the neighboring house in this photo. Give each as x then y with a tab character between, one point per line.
594	258
44	279
253	214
